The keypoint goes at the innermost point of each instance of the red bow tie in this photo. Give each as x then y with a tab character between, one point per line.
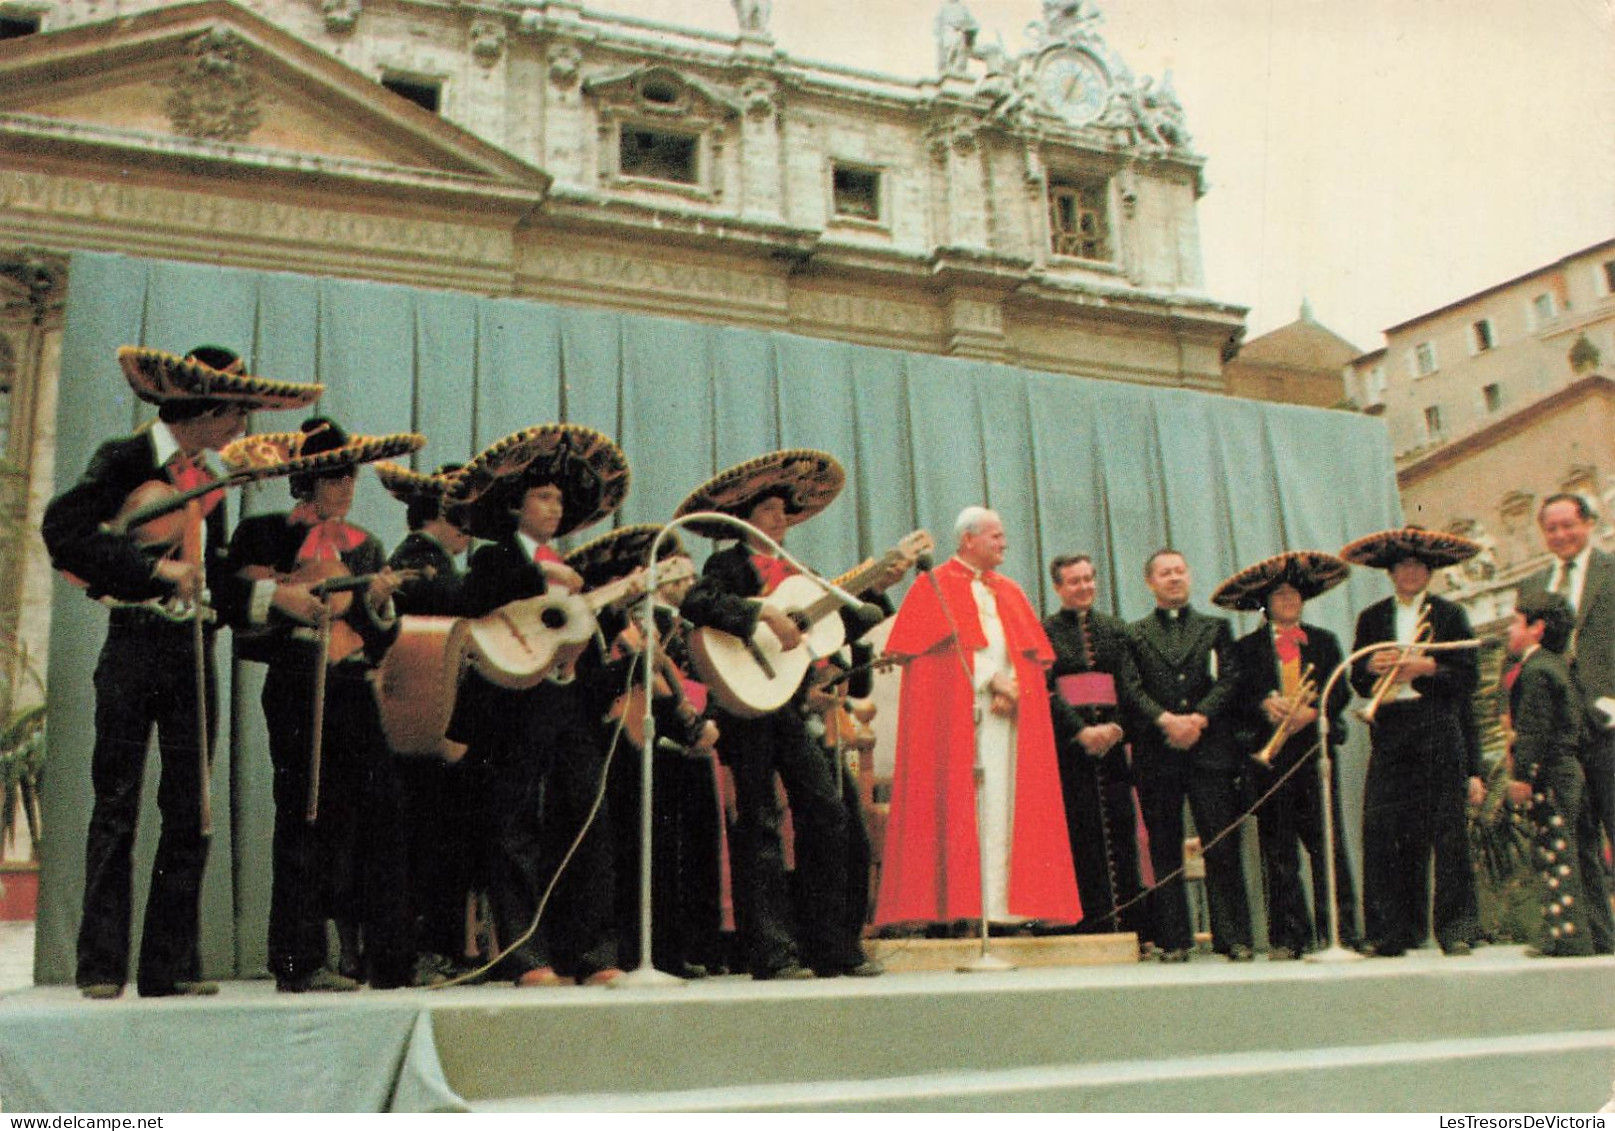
186	474
545	554
771	571
328	539
1287	642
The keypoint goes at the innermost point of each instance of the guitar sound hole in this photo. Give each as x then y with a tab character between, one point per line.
553	618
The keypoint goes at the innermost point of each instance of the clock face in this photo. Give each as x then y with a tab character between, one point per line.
1074	85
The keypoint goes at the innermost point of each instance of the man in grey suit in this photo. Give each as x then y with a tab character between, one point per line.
1585	576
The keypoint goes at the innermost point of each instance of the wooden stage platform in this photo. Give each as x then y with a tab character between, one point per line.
1495	1031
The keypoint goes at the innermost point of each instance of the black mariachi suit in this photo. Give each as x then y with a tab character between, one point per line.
1413	799
756	750
349	865
1546	711
1592	667
1292	817
437	801
536	761
1099	814
1175	674
146	677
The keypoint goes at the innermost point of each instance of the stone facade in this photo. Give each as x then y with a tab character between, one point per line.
1301	363
1036	210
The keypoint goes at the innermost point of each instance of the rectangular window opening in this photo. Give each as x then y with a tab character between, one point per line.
14	25
855	192
1079	219
658	156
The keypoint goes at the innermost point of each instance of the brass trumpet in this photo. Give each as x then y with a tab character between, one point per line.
1386	684
1305	694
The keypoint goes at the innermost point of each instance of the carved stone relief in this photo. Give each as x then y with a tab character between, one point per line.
487	41
212	97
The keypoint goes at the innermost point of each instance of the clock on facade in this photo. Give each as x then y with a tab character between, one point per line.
1073	84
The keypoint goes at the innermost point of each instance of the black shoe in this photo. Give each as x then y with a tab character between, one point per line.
1239	952
1382	950
1458	949
790	972
689	971
322	981
181	989
102	991
1282	954
1179	954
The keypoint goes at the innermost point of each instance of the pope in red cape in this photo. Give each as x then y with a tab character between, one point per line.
932	868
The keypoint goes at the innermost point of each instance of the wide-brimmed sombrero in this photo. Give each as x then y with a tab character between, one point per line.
319	448
1311	572
1434	548
588	467
807	479
158	377
619	553
410	486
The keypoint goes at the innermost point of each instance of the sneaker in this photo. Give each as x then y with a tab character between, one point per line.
322	981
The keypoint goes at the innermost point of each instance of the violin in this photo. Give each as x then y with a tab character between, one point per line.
329	580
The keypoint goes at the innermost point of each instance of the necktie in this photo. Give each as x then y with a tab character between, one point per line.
1567	585
186	474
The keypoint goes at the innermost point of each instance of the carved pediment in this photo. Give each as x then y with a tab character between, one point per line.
661	92
214	83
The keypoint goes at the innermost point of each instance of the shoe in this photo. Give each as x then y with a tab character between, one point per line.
181	989
1381	950
102	991
790	972
431	970
689	971
601	977
1282	954
1457	950
539	976
322	981
1179	954
868	968
1239	952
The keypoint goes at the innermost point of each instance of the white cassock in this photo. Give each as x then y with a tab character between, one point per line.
995	753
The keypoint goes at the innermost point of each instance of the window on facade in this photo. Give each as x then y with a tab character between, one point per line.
855	192
1480	334
1606	275
1374	385
1493	395
422	92
1079	222
15	26
1542	308
1424	358
658	156
1432	422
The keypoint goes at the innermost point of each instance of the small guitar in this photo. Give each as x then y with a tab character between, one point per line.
521	643
754	677
329	580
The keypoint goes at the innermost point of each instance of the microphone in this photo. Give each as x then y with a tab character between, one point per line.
923	563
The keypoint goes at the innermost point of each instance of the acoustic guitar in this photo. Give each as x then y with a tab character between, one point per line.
756	676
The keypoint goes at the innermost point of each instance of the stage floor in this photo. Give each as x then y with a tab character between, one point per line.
1491	1032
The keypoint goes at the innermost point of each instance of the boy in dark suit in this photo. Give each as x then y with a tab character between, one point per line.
1545	712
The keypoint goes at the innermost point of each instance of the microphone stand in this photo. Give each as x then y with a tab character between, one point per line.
1335	952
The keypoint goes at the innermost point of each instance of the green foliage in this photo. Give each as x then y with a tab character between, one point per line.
1500	850
1584	356
22	773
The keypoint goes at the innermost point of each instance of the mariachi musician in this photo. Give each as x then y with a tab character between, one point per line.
1424	756
775	492
338	844
148	673
436	792
1282	665
535	751
686	817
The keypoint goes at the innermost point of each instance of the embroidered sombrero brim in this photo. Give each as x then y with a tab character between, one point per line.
157	377
407	485
588	467
619	553
1311	572
283	452
808	479
1434	548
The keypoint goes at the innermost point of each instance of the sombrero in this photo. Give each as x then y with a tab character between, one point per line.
617	554
1432	547
807	479
1311	572
321	447
157	377
588	467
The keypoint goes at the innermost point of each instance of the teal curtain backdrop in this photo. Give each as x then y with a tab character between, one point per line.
1070	463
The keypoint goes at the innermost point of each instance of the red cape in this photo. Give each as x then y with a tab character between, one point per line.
932	870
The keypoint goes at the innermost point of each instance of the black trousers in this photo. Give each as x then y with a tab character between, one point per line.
350	864
1288	821
756	750
438	818
1101	825
1557	803
1165	779
1597	821
538	787
1413	809
146	678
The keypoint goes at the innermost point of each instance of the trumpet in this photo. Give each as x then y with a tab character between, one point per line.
1386	684
1305	694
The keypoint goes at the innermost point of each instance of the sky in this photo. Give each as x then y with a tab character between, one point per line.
1378	159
